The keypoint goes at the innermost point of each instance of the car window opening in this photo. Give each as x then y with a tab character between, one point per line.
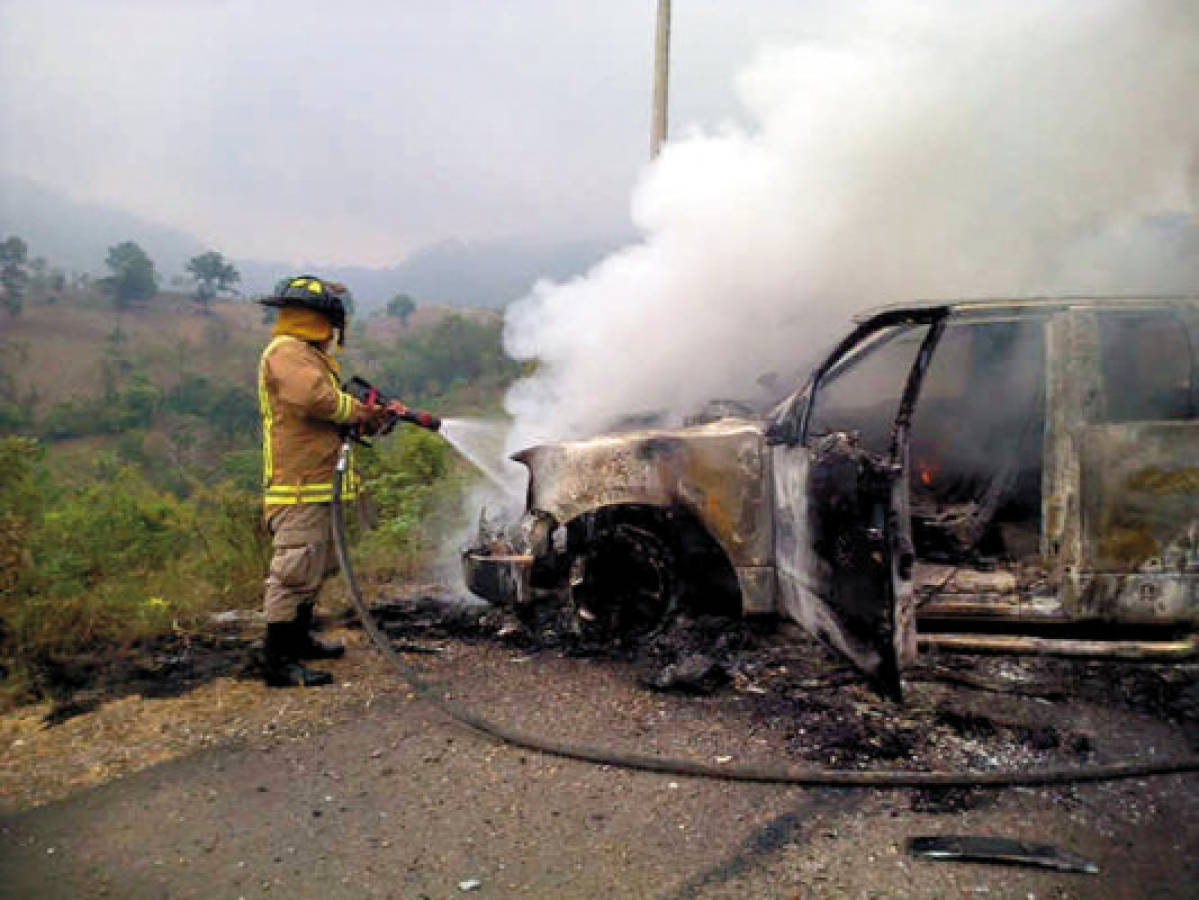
975	456
861	393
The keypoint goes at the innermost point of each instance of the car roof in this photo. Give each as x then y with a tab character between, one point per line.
1030	305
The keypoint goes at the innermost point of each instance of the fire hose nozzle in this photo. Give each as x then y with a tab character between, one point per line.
365	392
417	416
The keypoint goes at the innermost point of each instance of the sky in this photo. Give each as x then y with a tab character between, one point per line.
356	132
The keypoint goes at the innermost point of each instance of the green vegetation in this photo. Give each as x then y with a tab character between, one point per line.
15	408
130	463
457	359
46	283
416	484
14	277
133	277
105	557
401	306
212	276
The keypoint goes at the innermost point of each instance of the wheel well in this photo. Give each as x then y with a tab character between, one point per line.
707	578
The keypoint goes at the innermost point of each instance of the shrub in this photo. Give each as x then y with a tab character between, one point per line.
415	483
243	468
22	482
110	530
233	545
111	559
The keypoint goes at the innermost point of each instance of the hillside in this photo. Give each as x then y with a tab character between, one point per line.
130	465
61	347
57	350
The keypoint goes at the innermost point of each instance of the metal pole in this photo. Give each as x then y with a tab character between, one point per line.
661	78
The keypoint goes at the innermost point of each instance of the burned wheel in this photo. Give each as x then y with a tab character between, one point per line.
624	582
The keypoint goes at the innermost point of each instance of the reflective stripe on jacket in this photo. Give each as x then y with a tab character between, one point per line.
302	407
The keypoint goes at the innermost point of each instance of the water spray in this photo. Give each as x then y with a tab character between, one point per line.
463	435
471	439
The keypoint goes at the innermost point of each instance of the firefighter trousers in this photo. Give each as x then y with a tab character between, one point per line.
303	557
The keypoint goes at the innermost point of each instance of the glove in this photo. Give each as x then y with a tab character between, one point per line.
374	418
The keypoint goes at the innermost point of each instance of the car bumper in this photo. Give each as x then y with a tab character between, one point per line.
500	578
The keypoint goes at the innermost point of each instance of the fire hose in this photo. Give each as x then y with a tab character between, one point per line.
808	777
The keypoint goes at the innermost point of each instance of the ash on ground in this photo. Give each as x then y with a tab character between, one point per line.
166	666
766	677
960	711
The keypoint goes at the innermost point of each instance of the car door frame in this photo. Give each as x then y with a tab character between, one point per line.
804	577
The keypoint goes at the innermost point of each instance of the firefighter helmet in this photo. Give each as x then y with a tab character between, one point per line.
329	298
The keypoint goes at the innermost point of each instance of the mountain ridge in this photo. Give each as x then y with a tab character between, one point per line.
75	236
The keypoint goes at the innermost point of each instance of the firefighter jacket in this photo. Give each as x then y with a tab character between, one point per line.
303	409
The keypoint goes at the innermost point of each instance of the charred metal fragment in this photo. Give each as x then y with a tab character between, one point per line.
1167	650
696	673
902	426
501	578
1005	851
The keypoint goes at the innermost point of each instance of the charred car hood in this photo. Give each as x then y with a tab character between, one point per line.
717	470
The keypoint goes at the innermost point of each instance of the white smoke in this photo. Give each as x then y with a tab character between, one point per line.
918	150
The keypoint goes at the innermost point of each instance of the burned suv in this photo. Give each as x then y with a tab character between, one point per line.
989	475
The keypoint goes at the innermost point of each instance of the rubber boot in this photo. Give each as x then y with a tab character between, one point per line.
281	665
308	646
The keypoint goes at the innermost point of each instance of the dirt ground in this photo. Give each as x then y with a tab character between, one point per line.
220	787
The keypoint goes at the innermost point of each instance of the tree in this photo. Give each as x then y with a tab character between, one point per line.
427	365
401	306
133	277
13	274
39	273
212	275
46	283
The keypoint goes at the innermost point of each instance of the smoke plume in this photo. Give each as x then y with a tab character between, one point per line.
931	150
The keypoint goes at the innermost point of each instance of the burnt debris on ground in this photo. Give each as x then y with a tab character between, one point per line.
690	655
166	666
962	711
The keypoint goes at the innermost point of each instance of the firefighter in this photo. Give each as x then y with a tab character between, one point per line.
303	412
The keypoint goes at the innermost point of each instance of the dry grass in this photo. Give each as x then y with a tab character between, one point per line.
65	342
386	329
39	765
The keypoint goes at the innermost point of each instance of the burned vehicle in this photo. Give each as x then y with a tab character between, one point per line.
1003	476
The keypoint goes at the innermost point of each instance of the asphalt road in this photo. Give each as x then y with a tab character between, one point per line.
397	801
